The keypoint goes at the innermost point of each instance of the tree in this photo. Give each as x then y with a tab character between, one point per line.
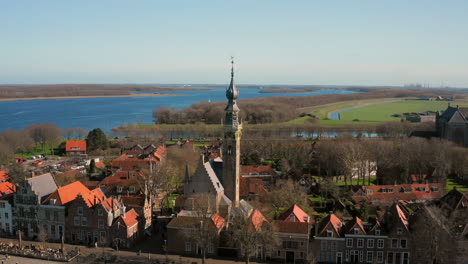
17	173
96	139
44	133
285	195
364	210
248	237
92	166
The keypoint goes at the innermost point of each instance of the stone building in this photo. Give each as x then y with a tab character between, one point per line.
7	191
452	124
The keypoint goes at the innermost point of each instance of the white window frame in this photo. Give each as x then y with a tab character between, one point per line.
349	242
371	254
84	221
380	254
80	210
370	243
380	243
77	220
360	243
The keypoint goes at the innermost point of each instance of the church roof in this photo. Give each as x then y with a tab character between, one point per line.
213	178
455	114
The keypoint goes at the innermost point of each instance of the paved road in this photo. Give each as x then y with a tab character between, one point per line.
20	260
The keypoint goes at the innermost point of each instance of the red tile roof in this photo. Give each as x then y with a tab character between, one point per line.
387	194
249	185
100	165
290	227
256	220
131	218
417	177
93	197
333	221
257	170
111	204
295	214
218	221
7	188
4	175
67	193
75	145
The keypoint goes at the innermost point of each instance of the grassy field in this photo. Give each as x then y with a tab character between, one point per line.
384	111
373	111
456	183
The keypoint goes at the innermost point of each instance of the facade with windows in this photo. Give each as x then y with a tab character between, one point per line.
6	215
356	241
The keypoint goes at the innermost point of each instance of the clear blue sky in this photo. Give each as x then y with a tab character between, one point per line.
389	42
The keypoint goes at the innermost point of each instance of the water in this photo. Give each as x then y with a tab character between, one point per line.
110	112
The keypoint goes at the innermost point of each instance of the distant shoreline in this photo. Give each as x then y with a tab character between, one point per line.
87	96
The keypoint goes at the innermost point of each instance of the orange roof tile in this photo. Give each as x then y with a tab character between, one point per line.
100	165
256	220
251	185
93	197
218	221
4	175
75	145
131	218
257	170
7	188
111	204
67	193
297	212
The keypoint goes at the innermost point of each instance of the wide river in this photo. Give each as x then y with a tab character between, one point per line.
110	112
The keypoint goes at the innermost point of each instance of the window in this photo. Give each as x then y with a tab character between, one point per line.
356	231
370	243
349	242
76	219
119	189
379	256
361	255
56	216
370	256
210	249
377	232
292	218
6	215
333	245
390	257
188	246
302	254
399	231
405	258
403	243
279	253
294	244
323	245
394	243
7	227
99	211
52	230
103	237
347	255
380	243
84	221
329	233
47	215
360	243
101	223
80	210
2	205
131	189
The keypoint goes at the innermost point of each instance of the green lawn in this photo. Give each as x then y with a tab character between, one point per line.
37	150
456	183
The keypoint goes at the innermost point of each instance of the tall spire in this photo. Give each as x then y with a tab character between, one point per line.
232	93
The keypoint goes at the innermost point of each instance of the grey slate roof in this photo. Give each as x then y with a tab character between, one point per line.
213	178
43	185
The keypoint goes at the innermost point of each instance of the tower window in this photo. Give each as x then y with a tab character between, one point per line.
229	150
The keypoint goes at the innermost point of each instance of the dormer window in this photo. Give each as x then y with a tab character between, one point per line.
399	231
329	233
119	189
306	218
229	150
131	189
292	218
80	211
356	231
377	232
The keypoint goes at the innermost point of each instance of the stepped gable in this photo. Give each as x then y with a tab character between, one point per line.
67	193
295	214
93	197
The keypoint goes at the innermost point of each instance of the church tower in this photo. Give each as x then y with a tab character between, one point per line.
231	143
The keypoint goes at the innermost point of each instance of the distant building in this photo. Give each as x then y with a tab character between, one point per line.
7	190
452	124
75	147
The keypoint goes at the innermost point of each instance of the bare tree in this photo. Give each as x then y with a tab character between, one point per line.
44	133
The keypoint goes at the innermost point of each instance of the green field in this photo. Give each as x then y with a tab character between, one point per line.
384	111
373	111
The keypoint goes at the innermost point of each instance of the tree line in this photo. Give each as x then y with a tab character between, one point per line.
274	109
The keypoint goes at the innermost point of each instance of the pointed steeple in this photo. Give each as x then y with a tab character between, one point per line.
232	93
187	176
231	118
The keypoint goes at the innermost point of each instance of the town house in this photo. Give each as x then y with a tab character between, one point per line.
7	191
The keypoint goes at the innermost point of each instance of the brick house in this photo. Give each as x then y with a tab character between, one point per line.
357	241
142	206
89	217
293	241
30	194
75	147
54	209
125	231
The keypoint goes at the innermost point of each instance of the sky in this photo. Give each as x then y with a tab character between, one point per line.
388	42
